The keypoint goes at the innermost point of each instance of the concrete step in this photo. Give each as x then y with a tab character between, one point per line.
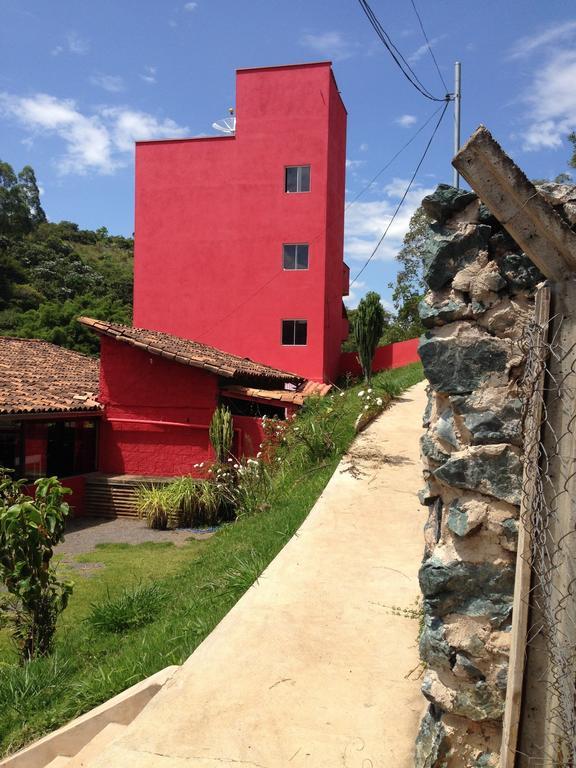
96	745
114	495
66	743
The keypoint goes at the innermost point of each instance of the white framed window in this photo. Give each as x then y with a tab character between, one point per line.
295	256
294	333
297	178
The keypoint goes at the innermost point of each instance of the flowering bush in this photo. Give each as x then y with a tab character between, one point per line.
371	404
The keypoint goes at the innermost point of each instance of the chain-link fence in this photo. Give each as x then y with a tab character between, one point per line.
547	735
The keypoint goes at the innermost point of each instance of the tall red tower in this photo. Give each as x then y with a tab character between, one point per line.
239	239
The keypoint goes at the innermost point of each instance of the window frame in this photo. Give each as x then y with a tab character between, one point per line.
298	179
293	320
296	268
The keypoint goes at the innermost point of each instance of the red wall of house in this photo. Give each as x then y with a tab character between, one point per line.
138	389
389	356
77	484
212	216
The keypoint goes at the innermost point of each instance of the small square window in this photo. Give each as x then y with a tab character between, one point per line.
295	256
297	178
294	332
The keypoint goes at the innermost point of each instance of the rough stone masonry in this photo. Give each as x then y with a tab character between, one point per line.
481	295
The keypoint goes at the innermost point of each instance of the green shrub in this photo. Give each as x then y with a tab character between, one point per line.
133	607
31	685
153	504
29	530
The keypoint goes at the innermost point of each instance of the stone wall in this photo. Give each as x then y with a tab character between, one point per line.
481	296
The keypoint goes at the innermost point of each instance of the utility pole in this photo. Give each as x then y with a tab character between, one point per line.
457	98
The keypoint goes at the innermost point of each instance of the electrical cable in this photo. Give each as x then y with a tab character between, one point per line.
399	59
428	44
404	196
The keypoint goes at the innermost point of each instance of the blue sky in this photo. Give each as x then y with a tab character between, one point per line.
81	80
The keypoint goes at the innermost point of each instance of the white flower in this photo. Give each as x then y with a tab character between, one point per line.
369	390
342	394
230	461
236	466
259	454
379	401
365	407
361	393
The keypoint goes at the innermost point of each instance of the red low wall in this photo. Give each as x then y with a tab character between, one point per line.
249	436
390	356
77	485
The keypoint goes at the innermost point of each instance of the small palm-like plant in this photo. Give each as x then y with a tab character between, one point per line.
221	433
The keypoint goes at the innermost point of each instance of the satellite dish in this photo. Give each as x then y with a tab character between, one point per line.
227	125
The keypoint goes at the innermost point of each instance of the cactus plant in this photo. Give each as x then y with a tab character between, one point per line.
368	327
221	432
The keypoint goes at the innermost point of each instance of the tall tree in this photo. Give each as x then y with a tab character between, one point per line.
29	186
368	327
14	212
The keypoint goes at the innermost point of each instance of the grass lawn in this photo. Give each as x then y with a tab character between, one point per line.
200	582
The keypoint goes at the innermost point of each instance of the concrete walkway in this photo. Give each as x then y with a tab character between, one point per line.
311	668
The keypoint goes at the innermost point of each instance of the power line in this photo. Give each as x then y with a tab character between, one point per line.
379	243
389	163
428	44
399	59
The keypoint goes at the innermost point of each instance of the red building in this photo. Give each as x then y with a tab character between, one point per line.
159	392
239	239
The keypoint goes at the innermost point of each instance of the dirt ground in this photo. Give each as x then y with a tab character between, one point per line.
84	533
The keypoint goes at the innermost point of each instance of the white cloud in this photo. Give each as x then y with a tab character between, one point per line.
366	222
423	49
110	83
331	45
100	142
149	75
128	125
406	120
363	147
74	44
551	97
352	165
553	34
190	6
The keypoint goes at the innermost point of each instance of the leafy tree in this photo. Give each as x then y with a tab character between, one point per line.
572	140
15	216
368	327
29	531
29	186
409	287
52	272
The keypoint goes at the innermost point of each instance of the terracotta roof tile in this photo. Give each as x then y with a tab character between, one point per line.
298	397
189	352
38	377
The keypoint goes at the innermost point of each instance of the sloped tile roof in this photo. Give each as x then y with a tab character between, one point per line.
189	352
311	388
39	377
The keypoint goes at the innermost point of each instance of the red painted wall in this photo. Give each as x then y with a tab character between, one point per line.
212	216
138	387
77	484
389	356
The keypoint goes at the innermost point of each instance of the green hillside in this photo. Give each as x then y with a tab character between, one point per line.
52	272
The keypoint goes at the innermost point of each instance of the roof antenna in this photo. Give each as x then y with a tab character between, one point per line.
227	125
